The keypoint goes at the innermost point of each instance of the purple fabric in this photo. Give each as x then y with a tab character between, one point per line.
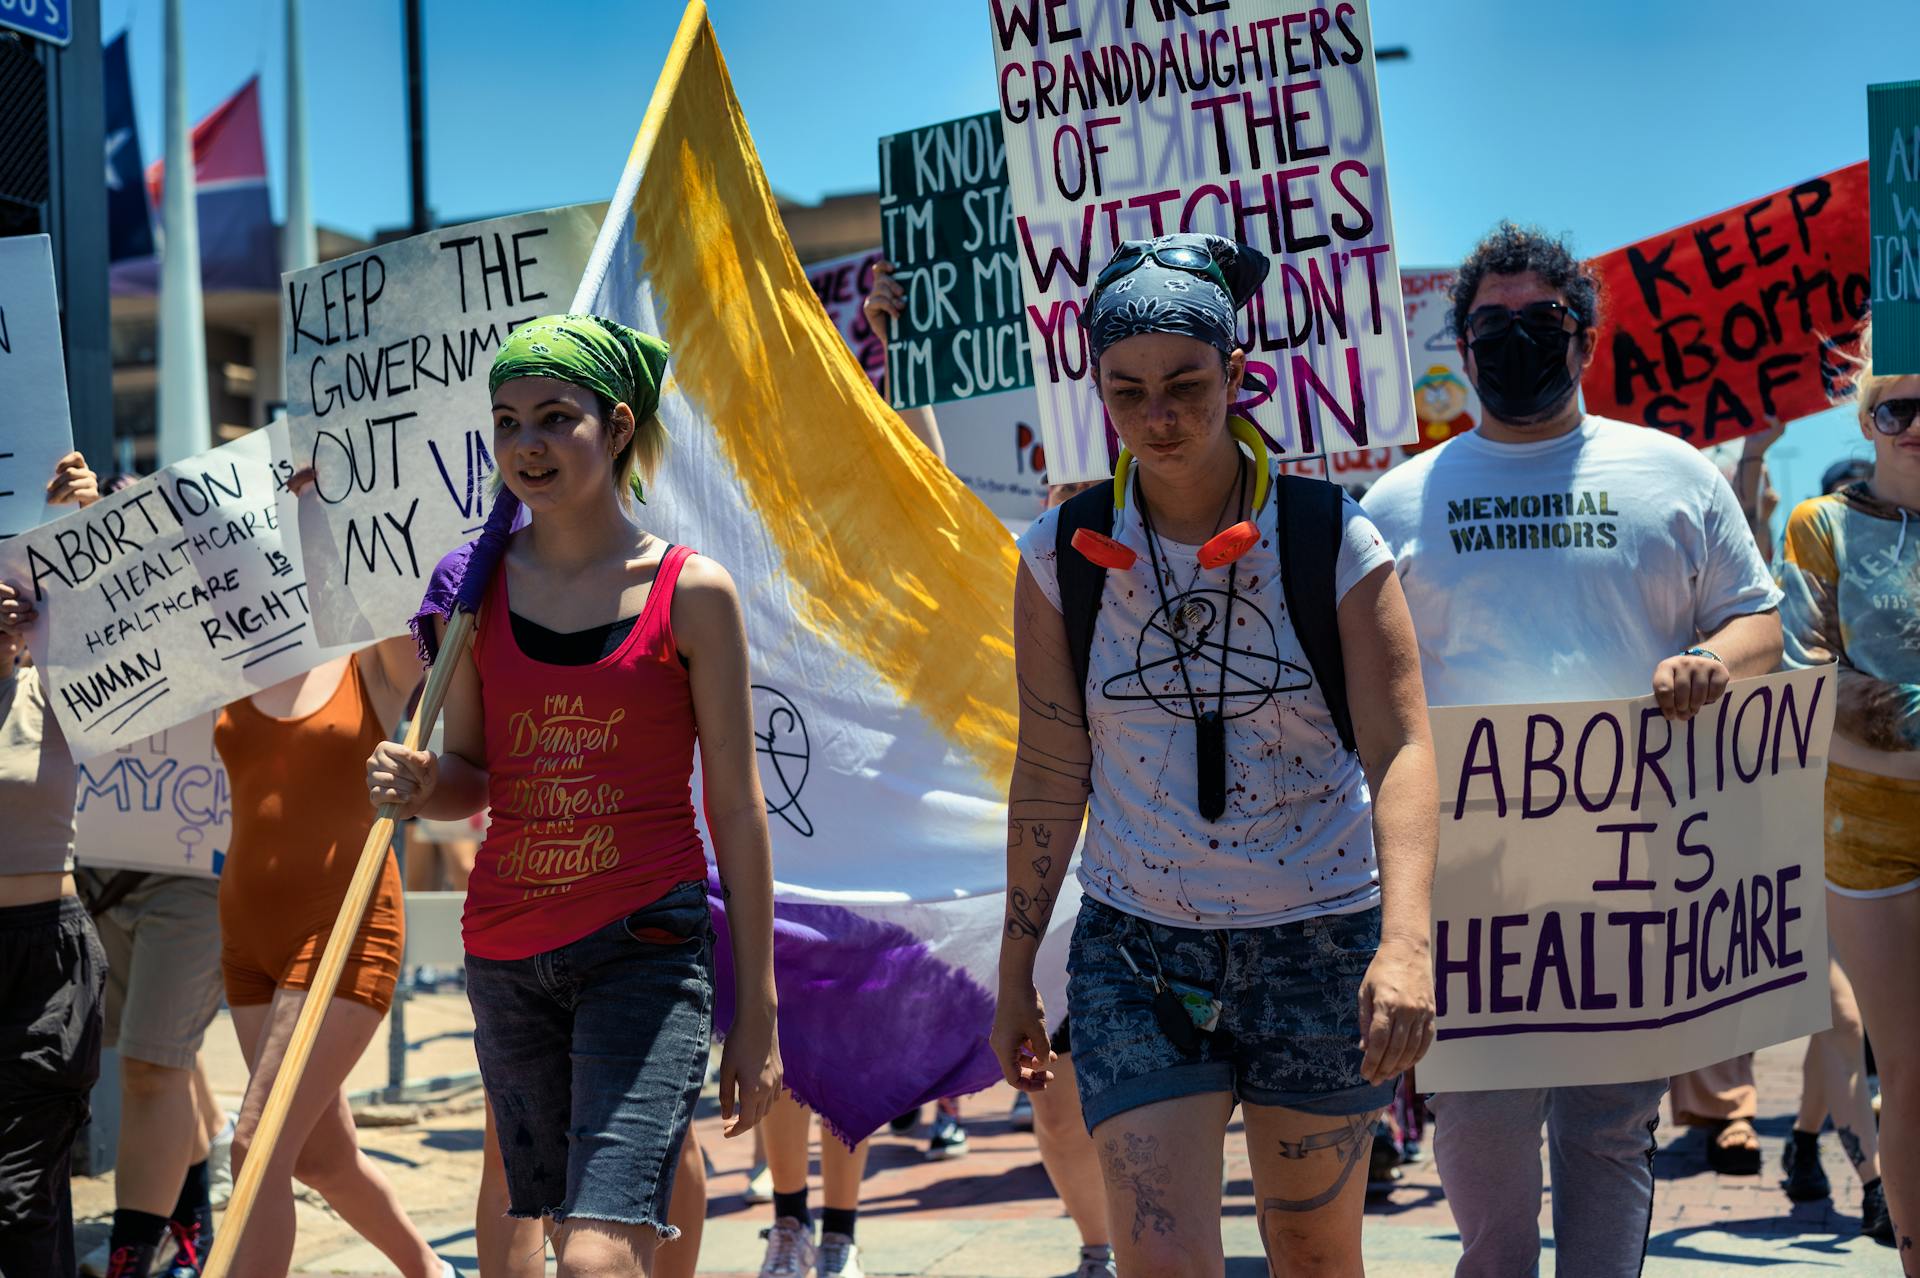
872	1025
460	579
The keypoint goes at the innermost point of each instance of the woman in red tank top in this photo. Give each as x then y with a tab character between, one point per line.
601	656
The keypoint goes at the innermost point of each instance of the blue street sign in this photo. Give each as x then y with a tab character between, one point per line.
50	20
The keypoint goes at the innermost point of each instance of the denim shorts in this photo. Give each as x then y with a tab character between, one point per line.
593	1056
1289	1027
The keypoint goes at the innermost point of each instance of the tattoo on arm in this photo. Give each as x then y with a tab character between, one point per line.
1045	708
1027	915
1135	1166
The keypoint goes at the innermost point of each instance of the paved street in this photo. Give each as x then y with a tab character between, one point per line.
992	1214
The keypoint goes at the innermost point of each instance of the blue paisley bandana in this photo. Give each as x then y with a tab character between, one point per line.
1156	298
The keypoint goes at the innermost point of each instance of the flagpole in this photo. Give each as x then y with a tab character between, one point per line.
185	418
301	249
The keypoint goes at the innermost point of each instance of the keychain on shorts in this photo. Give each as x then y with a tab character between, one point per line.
1183	1012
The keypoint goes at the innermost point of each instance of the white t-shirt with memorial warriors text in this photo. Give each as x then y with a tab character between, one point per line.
1296	839
1566	569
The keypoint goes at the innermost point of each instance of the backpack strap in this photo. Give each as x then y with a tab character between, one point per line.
1081	580
1312	526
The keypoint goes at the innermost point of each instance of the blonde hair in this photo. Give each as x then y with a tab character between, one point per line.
1869	387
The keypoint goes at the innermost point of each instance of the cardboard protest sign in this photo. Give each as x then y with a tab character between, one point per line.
170	598
1713	329
1621	898
387	355
947	227
842	285
993	445
161	803
1893	158
35	428
1261	123
1443	397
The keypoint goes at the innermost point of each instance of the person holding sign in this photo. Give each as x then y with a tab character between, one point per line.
1218	660
54	984
1553	556
1852	579
601	657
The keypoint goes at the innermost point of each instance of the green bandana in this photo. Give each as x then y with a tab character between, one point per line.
621	363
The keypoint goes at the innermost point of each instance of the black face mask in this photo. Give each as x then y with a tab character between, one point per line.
1523	377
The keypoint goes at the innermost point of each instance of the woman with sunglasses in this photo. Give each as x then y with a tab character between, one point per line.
1254	926
1852	582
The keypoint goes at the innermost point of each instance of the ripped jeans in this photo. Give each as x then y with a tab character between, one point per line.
593	1055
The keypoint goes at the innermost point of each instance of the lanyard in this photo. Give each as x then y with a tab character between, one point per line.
1209	726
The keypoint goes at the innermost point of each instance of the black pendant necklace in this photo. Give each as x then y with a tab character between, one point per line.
1209	725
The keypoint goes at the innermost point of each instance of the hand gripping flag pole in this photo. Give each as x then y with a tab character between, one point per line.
457	586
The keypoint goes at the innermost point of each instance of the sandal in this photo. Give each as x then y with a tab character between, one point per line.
1734	1148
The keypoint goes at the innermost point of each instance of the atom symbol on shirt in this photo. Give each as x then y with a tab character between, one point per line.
1249	659
785	756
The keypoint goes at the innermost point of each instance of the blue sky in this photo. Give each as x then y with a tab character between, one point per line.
1608	120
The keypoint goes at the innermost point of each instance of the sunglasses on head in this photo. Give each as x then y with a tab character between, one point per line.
1893	416
1542	318
1175	257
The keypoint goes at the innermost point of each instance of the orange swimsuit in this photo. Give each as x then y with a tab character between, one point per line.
300	818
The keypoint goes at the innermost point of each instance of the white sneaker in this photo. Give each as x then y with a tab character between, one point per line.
220	1164
790	1249
759	1185
839	1258
1092	1266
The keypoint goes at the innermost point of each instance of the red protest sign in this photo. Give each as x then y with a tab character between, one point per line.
1714	328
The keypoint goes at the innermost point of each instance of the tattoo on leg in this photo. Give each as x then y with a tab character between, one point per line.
1136	1167
1850	1141
1350	1144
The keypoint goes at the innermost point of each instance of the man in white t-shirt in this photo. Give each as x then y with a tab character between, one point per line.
1552	556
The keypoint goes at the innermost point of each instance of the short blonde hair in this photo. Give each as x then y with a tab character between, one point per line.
1869	387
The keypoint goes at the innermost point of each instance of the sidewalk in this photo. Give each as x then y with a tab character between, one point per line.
992	1214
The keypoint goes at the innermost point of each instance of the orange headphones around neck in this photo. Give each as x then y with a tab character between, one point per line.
1222	548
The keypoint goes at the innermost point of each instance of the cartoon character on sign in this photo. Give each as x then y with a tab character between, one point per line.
1440	401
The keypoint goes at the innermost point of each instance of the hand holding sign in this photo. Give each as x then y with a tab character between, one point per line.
73	482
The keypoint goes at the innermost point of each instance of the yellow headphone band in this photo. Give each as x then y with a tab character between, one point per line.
1242	430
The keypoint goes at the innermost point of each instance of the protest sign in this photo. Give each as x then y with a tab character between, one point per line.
842	285
1712	329
947	227
387	357
1443	397
1261	123
160	803
1893	158
1619	897
35	429
993	445
170	598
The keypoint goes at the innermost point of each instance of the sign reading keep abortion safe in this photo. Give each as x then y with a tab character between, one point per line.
1621	898
1127	119
387	353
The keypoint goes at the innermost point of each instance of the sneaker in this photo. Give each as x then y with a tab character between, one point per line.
905	1122
1875	1221
94	1263
1095	1265
191	1243
839	1258
1806	1180
949	1139
790	1250
130	1262
1020	1117
759	1185
220	1164
1383	1162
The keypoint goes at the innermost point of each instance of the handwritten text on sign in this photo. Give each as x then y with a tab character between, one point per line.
842	285
1127	119
35	429
1716	328
387	360
168	599
947	227
1893	158
161	803
1621	898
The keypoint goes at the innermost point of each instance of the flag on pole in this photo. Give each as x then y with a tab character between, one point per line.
129	214
237	248
878	597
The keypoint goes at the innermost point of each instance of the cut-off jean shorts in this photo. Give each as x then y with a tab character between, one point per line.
593	1056
1289	1028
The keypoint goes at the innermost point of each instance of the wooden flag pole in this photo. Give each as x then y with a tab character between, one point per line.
326	977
